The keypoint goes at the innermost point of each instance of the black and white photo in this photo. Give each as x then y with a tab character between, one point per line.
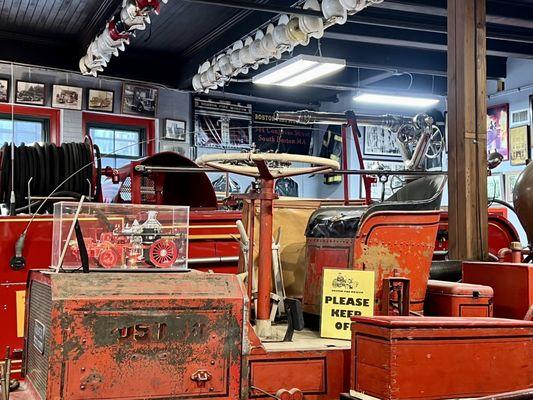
100	100
30	93
4	91
69	97
380	142
139	100
175	130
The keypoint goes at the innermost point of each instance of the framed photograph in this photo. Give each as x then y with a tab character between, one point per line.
510	181
519	145
100	100
498	130
139	100
4	90
385	189
175	130
380	142
177	147
30	93
68	97
495	188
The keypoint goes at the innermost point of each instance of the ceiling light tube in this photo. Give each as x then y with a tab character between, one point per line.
392	100
299	70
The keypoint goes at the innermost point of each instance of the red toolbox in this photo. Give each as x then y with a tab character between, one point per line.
397	358
451	299
512	284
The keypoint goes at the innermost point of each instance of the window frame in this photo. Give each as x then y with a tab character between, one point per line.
31	118
51	114
142	138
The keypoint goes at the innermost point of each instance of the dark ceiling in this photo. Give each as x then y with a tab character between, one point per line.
397	44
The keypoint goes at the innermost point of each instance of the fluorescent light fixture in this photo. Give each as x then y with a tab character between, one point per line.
391	100
299	70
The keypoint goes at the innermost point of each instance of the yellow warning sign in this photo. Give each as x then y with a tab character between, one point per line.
345	294
21	305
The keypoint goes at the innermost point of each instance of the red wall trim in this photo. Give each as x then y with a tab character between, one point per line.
52	114
147	124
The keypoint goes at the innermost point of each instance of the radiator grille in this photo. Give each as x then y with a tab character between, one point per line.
37	363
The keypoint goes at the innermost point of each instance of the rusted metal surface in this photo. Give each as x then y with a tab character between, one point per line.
398	244
264	276
451	299
512	284
440	358
388	243
158	335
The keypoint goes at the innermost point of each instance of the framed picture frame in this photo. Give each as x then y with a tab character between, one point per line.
177	147
139	100
378	188
498	130
519	145
495	187
30	93
175	130
4	90
101	100
67	97
510	181
380	142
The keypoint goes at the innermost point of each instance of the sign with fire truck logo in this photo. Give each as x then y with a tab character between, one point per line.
345	294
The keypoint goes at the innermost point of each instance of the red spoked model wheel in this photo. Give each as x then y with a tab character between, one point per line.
163	253
108	258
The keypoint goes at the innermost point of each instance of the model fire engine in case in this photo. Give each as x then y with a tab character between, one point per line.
119	236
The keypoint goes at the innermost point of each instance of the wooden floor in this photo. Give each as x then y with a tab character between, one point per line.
307	340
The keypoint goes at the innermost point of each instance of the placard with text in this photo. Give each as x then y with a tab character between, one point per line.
345	294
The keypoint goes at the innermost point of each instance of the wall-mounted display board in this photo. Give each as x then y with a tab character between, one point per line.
222	124
280	136
380	142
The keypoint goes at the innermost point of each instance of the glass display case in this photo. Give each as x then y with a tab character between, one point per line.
120	236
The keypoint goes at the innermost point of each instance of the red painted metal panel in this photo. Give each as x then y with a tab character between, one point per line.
512	284
434	358
323	253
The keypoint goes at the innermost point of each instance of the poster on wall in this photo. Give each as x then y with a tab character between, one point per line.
380	142
279	137
222	124
519	145
498	130
383	190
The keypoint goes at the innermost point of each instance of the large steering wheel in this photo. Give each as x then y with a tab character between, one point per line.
266	165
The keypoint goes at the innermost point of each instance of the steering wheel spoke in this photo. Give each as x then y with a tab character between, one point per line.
267	165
